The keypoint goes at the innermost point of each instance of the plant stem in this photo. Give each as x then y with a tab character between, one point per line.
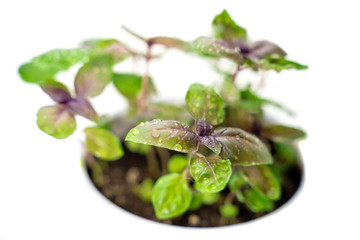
153	165
261	81
233	77
164	155
145	82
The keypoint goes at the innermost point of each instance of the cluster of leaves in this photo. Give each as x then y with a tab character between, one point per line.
232	149
238	159
228	144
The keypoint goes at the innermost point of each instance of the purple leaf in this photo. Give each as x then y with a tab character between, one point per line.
93	77
240	147
168	134
262	49
56	91
82	107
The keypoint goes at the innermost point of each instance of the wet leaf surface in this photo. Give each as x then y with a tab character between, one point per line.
204	103
240	147
211	173
169	134
171	196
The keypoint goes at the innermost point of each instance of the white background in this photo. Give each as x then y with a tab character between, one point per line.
43	191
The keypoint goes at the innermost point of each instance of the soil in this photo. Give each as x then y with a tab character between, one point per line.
118	178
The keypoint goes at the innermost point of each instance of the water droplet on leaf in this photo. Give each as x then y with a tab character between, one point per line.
135	132
155	133
178	147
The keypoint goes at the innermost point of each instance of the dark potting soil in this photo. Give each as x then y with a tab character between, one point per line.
117	180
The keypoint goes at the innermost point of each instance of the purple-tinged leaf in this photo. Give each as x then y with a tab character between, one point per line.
56	121
261	49
278	133
169	42
203	128
211	143
82	107
211	47
116	49
240	147
211	173
93	77
168	134
205	104
262	179
56	91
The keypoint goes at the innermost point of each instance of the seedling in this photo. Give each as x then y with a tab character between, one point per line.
227	147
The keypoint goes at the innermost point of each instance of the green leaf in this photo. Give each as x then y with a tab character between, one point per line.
177	163
204	103
169	42
285	156
229	210
144	190
254	103
171	196
103	144
256	201
138	147
209	198
252	198
116	49
224	27
278	133
44	67
211	173
240	147
263	179
210	47
280	63
129	85
56	121
93	77
168	134
196	201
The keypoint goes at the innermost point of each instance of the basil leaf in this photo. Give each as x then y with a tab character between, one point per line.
168	134
224	27
93	77
240	147
44	67
204	103
211	173
263	179
171	196
57	91
56	121
103	144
